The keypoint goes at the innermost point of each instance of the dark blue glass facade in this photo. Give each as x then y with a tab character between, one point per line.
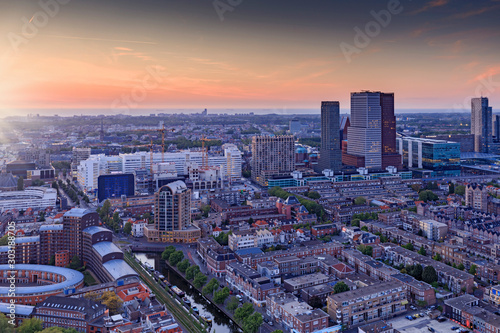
115	185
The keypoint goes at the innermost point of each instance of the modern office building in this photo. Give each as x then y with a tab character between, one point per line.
371	138
79	154
272	156
295	126
440	156
115	185
173	216
496	126
330	152
481	124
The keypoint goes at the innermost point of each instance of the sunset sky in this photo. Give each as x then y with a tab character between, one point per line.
263	54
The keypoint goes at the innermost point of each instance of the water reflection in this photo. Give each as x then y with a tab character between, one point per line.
220	322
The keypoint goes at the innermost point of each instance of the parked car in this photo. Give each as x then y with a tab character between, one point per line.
455	328
421	314
430	329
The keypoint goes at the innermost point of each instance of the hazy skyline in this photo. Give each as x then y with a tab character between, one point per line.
285	55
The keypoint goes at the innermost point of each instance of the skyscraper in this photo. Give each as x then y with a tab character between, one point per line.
330	154
481	128
272	156
372	134
173	215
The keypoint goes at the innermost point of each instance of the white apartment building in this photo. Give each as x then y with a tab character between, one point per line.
433	230
242	239
138	228
264	237
89	170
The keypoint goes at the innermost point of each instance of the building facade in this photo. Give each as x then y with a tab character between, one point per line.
173	216
440	156
330	154
481	124
272	156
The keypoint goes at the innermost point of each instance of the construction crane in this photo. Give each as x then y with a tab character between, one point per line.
204	154
162	131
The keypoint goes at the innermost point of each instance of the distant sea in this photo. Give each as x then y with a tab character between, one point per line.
145	112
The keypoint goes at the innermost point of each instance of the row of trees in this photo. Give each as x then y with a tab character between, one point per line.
249	320
113	222
427	274
32	325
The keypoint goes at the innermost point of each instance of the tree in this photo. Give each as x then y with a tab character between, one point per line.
277	331
473	269
340	287
75	262
221	295
409	246
437	257
250	221
4	324
176	257
52	261
364	228
211	286
461	267
192	271
32	325
127	228
451	188
4	240
313	195
56	329
427	195
116	221
429	274
112	302
233	304
422	251
183	265
355	222
366	250
243	312
20	183
199	280
360	201
104	211
460	190
252	323
167	252
416	271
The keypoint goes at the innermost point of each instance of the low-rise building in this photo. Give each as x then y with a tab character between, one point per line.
304	281
295	316
250	282
364	305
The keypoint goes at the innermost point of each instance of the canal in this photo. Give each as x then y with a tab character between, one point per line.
221	323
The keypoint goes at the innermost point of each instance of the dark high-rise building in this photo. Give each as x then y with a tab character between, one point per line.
115	185
481	118
371	138
496	126
330	153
